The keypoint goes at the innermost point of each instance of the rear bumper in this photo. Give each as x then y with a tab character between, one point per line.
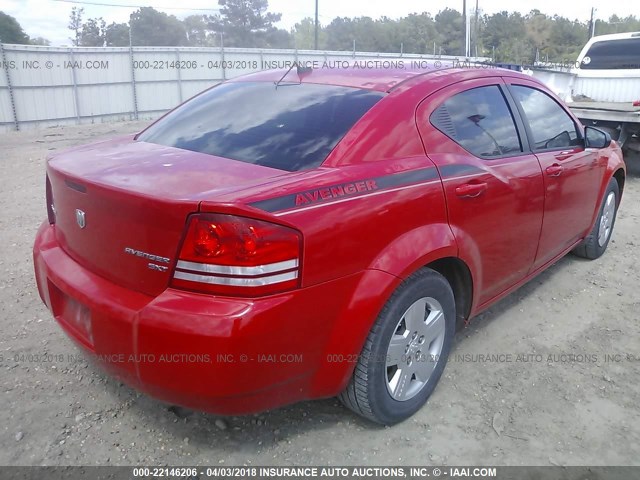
223	355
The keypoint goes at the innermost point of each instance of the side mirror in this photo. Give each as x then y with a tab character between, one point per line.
594	138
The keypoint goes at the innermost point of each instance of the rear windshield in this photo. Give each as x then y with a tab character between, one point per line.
613	54
292	127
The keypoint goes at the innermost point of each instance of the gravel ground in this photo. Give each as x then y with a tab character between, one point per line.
568	395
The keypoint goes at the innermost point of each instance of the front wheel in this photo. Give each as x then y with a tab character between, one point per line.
406	350
595	244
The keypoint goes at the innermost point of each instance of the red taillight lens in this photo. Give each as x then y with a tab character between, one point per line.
229	255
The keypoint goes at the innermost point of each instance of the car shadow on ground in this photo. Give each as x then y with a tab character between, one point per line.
632	161
529	289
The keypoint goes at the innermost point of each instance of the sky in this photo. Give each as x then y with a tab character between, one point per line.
49	18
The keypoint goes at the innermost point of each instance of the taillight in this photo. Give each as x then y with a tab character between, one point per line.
230	255
51	209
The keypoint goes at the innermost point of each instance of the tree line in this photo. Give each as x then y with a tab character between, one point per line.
504	36
11	32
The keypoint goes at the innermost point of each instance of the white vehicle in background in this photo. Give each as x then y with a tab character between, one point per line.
603	87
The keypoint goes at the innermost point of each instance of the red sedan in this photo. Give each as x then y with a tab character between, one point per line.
281	238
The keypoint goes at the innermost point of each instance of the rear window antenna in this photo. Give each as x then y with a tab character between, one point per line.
300	70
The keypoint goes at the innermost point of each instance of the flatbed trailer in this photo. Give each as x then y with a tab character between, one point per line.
602	87
620	119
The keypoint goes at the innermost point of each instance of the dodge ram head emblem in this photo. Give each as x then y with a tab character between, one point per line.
80	218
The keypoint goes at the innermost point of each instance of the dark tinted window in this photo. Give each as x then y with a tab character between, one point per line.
550	125
480	121
613	54
292	127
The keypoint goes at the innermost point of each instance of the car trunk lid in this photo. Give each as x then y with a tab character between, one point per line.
121	205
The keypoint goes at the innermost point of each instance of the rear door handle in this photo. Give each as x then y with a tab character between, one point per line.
471	190
554	170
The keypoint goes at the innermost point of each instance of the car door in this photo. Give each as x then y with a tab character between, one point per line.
493	184
571	173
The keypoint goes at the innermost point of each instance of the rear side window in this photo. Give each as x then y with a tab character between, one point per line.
480	121
550	125
292	127
613	54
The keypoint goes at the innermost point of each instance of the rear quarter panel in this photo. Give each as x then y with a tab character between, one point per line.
383	234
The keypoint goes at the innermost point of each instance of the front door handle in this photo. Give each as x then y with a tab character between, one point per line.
554	170
471	190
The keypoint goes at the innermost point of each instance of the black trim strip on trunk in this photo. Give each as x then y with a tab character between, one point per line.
75	186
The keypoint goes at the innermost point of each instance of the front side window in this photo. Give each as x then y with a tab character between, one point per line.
480	121
291	127
551	126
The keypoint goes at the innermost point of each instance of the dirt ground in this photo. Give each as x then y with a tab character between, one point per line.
549	376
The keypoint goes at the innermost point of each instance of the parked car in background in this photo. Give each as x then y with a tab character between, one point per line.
297	235
603	87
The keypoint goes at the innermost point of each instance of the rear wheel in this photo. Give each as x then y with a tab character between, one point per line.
406	351
595	244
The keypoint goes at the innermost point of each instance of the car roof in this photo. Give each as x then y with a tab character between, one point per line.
614	36
606	38
378	79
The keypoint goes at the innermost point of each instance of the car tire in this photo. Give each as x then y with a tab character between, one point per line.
595	244
419	319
